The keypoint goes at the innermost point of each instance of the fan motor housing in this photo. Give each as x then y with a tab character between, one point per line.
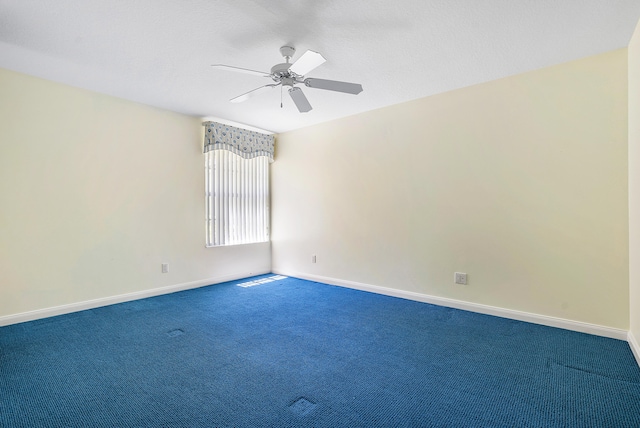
281	71
288	81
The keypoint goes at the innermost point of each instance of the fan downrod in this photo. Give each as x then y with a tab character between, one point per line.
280	72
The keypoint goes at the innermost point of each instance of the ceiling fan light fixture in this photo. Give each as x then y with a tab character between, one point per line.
289	75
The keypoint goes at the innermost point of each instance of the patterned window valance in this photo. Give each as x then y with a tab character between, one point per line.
248	144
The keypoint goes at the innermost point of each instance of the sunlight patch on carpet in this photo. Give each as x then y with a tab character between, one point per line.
261	281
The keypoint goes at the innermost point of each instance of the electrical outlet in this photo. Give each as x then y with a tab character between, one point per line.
460	278
313	258
165	267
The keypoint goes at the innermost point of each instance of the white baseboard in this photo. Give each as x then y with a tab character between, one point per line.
121	298
579	326
566	324
635	346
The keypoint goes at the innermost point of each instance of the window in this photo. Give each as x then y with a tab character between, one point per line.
237	199
237	185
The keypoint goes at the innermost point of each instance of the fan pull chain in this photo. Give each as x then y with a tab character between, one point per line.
281	96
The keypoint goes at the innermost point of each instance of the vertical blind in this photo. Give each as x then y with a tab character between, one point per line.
237	194
237	199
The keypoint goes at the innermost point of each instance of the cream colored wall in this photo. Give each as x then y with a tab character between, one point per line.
95	193
521	183
634	185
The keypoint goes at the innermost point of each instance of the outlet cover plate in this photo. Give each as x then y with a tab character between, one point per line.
460	278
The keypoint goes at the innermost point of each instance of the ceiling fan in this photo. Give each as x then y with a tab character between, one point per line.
288	74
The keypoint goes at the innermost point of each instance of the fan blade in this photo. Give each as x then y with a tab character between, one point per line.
247	95
334	85
300	100
240	70
307	62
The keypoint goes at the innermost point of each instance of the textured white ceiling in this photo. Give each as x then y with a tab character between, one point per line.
159	52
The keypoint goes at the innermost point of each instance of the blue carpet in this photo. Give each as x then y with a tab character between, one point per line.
297	353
